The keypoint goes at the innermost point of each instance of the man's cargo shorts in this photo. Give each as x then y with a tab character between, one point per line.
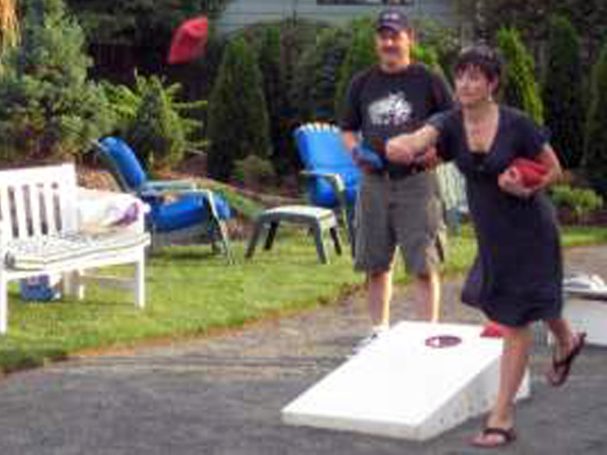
405	212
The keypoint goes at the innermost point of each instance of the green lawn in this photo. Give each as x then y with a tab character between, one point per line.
191	292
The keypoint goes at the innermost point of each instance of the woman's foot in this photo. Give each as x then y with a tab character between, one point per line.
493	438
498	432
563	360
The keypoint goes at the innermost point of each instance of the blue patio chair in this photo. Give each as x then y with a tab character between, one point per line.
190	214
332	176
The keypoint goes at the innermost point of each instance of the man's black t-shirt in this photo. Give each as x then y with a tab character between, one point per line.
382	105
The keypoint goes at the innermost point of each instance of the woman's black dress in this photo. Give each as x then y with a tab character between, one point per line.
517	275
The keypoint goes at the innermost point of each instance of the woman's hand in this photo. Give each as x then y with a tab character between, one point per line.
511	182
415	147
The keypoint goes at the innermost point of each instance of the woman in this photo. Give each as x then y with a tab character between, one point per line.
516	278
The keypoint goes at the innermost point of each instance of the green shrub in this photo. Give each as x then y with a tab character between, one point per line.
48	108
238	115
580	201
151	119
254	171
563	93
520	87
444	41
595	148
428	56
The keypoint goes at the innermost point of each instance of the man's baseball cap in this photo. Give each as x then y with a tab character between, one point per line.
392	19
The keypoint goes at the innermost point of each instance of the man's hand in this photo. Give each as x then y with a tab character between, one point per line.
366	159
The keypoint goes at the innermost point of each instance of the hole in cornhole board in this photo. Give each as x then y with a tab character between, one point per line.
443	341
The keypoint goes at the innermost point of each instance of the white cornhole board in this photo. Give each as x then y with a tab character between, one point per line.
586	311
399	387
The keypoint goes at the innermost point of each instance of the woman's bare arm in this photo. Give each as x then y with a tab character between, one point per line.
407	148
549	159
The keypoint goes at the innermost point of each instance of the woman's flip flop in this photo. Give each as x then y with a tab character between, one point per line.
559	373
505	437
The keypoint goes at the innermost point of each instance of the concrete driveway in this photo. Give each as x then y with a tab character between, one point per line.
223	395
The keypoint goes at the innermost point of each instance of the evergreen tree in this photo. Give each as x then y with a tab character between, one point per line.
360	55
275	92
48	108
520	87
595	150
158	126
563	91
157	132
238	115
317	73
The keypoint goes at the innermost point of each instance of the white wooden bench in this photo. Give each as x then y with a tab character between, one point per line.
40	234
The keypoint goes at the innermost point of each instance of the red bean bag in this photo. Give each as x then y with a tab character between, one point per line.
492	330
189	40
531	172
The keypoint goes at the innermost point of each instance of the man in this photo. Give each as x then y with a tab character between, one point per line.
398	205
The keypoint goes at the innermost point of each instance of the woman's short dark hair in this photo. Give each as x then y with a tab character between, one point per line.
483	57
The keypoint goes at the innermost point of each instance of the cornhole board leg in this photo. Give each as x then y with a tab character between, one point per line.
400	387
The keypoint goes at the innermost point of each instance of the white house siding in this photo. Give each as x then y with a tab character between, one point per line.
241	13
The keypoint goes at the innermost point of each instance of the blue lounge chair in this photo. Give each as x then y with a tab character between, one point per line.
333	178
192	213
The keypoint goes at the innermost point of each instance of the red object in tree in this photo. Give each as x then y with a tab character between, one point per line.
189	41
492	330
531	172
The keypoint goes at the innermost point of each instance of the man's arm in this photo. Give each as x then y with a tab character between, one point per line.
351	121
351	140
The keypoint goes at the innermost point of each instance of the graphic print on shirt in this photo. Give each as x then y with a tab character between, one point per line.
392	110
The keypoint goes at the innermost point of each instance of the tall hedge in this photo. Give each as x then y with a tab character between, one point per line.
275	92
238	114
520	87
563	91
595	149
48	107
360	55
317	75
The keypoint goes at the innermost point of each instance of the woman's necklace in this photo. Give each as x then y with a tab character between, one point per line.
481	131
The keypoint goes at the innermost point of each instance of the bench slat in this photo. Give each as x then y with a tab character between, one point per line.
6	225
49	208
35	209
19	201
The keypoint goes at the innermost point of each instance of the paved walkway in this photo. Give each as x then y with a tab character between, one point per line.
223	395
